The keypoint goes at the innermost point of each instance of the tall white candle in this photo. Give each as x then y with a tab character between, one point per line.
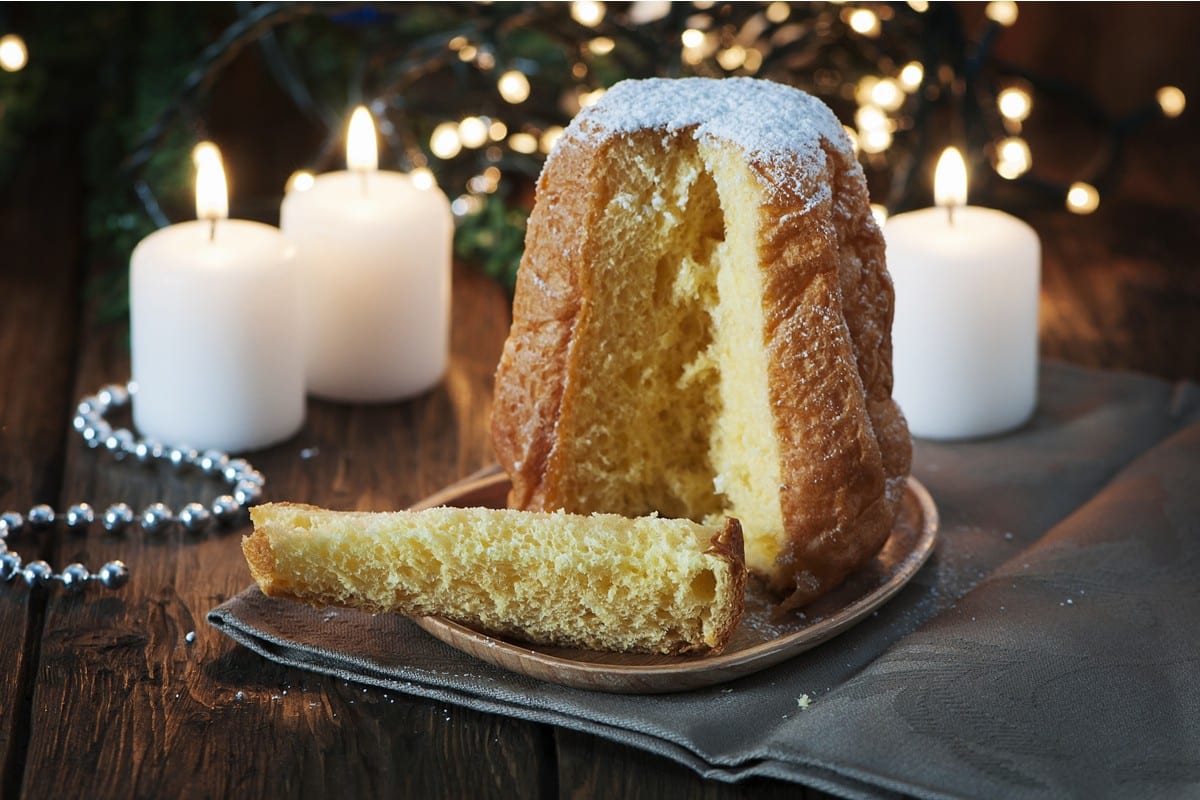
215	329
965	332
375	257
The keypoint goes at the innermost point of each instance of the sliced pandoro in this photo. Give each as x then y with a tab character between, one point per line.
701	327
602	582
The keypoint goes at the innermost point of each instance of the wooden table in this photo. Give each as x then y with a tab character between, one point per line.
103	694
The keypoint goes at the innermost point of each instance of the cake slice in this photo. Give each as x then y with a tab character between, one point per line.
603	582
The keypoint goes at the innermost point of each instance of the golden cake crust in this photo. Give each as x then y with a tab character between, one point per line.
827	304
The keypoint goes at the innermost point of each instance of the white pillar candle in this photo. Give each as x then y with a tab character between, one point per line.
215	329
375	258
965	333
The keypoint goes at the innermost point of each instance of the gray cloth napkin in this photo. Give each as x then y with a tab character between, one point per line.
1050	648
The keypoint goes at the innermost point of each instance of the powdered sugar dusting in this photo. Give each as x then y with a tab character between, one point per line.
767	120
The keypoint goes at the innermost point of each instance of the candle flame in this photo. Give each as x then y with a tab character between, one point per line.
362	150
212	192
950	179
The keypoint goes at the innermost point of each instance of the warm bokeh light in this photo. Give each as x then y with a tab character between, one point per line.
444	142
880	213
731	58
875	141
778	12
513	87
212	192
300	181
362	147
1015	103
1002	12
692	38
912	75
590	98
950	179
864	21
1171	100
523	143
587	12
1013	158
601	45
422	178
1082	198
473	132
14	55
887	94
497	131
549	137
871	118
920	6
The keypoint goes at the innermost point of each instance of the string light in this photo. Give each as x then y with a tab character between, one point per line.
497	131
601	45
754	60
871	118
513	86
864	21
590	98
444	142
1013	157
472	132
644	11
1014	103
586	12
300	181
862	91
549	137
887	94
1171	100
692	38
14	55
731	58
468	53
1082	198
1002	12
875	141
911	76
523	143
778	12
919	6
422	178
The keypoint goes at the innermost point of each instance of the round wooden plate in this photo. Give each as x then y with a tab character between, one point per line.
760	641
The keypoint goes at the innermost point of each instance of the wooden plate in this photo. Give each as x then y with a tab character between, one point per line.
759	642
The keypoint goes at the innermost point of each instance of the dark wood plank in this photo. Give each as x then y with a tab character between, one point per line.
39	278
154	715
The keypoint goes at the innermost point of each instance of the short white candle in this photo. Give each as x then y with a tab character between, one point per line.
375	256
215	329
965	332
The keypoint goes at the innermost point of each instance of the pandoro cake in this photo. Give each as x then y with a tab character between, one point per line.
701	329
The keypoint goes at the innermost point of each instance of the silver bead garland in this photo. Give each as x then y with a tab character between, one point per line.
247	482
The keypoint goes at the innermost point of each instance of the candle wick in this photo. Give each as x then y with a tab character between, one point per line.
950	213
212	229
